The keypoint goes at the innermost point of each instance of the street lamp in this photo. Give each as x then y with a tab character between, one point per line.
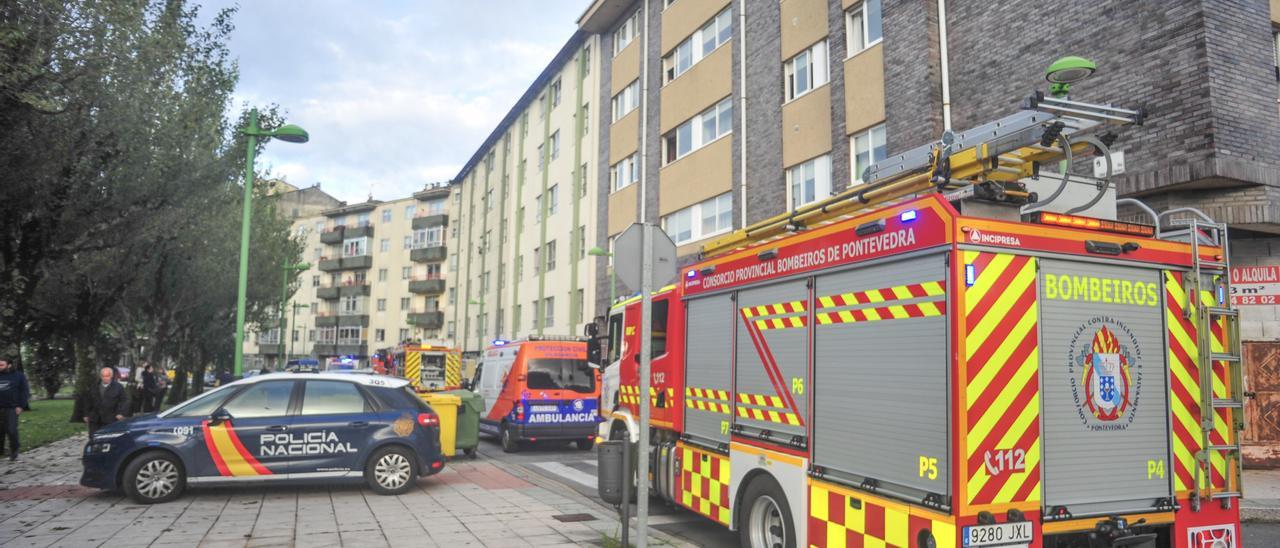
288	133
296	306
1066	71
284	296
613	274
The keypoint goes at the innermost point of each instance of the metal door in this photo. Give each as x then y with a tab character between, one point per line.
1104	388
772	358
708	368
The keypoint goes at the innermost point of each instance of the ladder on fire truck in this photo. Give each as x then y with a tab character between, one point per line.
1227	353
986	162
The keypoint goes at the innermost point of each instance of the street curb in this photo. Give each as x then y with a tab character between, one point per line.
553	485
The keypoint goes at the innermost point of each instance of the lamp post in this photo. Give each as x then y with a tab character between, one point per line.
296	306
479	331
290	134
284	296
613	274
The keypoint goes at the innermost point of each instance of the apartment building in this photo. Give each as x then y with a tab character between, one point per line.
375	278
525	211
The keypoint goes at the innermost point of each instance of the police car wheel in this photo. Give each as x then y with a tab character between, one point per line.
509	442
390	471
767	518
154	477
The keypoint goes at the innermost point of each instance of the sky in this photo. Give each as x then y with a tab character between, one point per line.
395	94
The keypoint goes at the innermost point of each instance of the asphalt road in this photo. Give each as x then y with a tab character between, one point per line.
577	470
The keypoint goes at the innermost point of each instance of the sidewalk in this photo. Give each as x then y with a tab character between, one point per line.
471	503
1262	496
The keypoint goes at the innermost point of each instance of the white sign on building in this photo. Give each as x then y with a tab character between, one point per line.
1255	285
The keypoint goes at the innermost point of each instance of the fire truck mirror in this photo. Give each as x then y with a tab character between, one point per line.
593	351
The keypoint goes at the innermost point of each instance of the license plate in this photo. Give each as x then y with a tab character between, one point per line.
1003	534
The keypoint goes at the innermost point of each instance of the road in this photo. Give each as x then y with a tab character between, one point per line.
577	470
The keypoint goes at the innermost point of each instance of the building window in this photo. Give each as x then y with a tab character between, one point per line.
408	242
433	271
626	33
403	335
866	148
626	100
362	219
582	242
809	181
582	182
410	210
453	262
404	303
316	251
384	245
555	145
386	215
355	247
541	161
319	227
311	335
586	65
537	209
700	220
549	312
315	281
625	172
537	260
352	304
586	119
863	25
519	267
704	41
405	271
515	321
382	305
550	253
582	304
553	198
453	295
555	99
699	131
382	274
806	71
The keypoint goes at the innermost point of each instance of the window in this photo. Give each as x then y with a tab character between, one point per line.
405	271
379	335
626	33
626	100
581	304
582	182
658	328
428	237
319	227
551	255
537	211
355	247
453	295
435	207
586	66
384	245
432	304
409	211
453	262
586	118
700	220
625	172
382	305
582	242
488	200
549	312
433	271
561	374
699	131
806	71
515	320
362	219
332	398
295	335
809	181
382	274
553	197
352	305
328	335
519	267
386	215
316	252
555	145
408	242
311	334
537	260
867	148
704	41
349	335
555	100
541	161
404	303
403	335
315	281
264	399
863	25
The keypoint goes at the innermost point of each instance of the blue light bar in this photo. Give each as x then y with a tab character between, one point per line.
499	342
969	275
691	274
907	216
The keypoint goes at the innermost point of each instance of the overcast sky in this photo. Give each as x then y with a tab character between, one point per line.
394	94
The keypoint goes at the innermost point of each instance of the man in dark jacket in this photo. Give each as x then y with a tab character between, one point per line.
107	401
15	396
149	388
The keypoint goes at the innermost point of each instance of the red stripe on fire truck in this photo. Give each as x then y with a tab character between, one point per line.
1002	397
704	483
841	518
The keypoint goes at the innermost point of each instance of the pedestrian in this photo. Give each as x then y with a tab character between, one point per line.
162	386
149	386
107	401
15	396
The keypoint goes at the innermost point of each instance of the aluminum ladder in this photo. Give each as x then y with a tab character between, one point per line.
1216	308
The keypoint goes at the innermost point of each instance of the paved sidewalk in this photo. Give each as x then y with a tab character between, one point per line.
1262	496
471	503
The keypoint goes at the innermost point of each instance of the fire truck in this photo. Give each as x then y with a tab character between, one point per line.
428	367
941	357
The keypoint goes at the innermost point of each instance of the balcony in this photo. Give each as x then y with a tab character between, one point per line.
271	349
326	349
357	262
326	319
330	265
430	254
332	236
428	220
352	348
327	293
360	319
427	286
359	231
433	319
354	289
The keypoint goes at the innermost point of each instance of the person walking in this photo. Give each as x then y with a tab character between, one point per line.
162	385
149	386
15	396
107	401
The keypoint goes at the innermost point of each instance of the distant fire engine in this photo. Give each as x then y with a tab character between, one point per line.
937	358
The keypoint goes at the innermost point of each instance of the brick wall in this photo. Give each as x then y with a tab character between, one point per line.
766	185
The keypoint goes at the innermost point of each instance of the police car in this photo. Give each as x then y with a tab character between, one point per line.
276	427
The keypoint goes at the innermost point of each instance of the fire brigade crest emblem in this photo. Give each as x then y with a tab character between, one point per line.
1104	373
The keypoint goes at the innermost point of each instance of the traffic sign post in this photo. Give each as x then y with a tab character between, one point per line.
644	255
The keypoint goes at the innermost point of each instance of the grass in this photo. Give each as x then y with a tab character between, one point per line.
47	421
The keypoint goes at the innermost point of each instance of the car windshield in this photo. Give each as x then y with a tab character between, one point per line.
561	374
201	405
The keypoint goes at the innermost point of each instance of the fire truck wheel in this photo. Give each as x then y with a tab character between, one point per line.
509	442
767	520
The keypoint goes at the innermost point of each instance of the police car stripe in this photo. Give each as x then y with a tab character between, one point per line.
226	448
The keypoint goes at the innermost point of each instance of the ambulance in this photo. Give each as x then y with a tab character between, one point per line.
540	388
941	357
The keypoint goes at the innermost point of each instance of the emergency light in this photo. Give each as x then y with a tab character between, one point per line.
969	275
907	216
1090	223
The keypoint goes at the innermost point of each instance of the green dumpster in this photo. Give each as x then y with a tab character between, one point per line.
468	434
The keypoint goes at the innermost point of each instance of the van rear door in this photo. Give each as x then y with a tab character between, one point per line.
1104	388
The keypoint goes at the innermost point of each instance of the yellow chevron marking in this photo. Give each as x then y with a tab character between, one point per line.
1004	302
902	292
979	430
986	278
1015	337
1010	437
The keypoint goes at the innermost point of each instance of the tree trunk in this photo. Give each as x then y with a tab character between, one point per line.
178	392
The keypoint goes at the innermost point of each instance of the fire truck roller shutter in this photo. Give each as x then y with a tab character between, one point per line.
772	360
1105	390
708	368
881	375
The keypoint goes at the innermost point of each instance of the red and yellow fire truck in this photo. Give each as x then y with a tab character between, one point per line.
938	359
